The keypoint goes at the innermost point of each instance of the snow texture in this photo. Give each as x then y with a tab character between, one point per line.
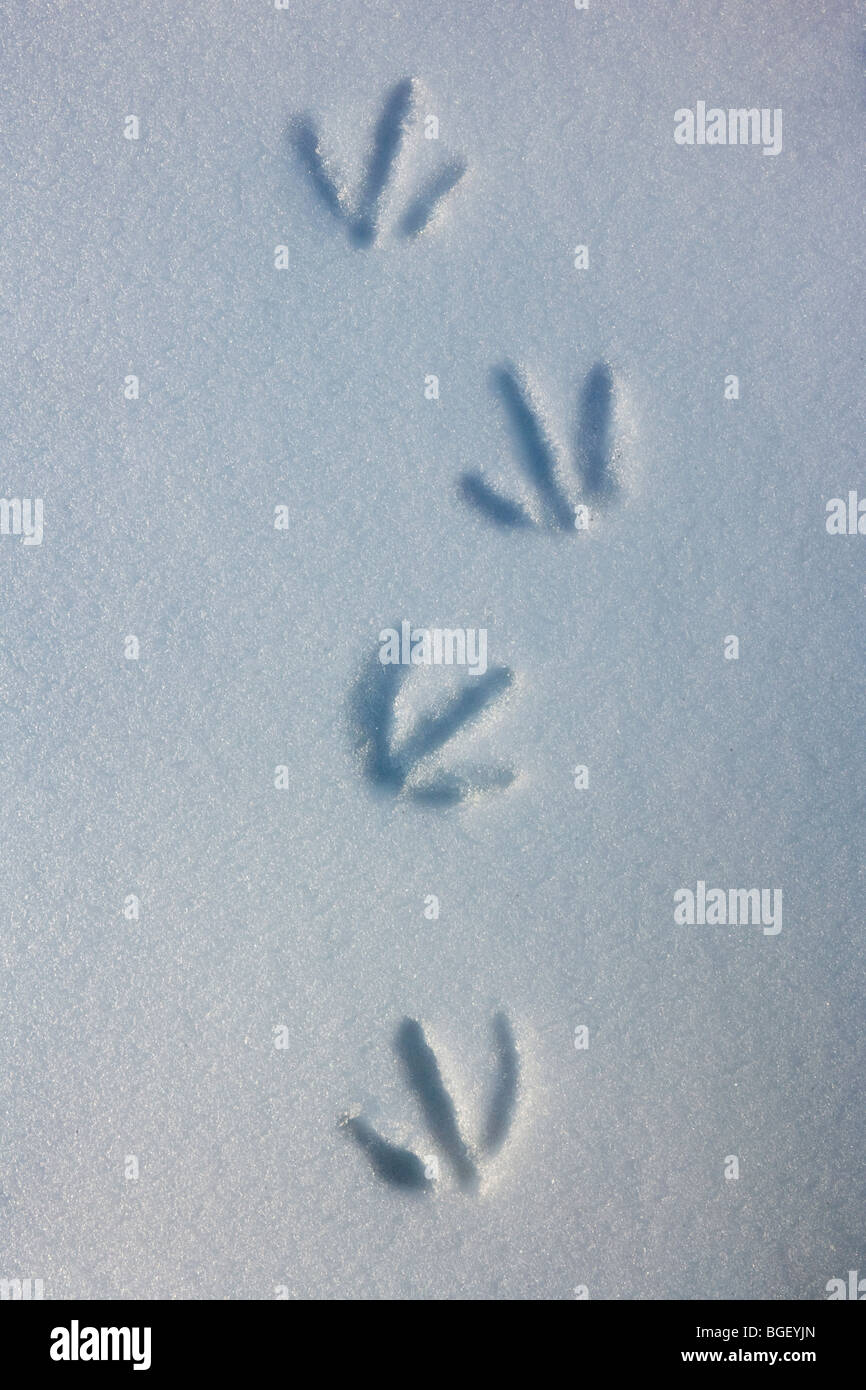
282	1004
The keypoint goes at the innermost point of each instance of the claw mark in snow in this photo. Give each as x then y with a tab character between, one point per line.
394	766
364	218
401	1167
594	455
504	1103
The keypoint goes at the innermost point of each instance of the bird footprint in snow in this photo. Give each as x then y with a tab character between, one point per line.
363	216
401	1167
394	765
593	456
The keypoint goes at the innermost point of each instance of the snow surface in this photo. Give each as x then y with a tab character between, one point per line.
304	907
